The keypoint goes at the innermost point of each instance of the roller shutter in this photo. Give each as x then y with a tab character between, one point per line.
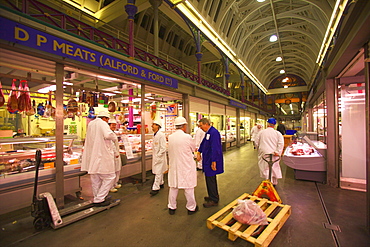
199	105
217	109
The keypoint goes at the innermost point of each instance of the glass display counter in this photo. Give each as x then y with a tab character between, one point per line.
17	166
307	162
131	155
228	140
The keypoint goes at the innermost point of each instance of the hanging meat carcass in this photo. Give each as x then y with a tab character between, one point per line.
28	97
12	105
49	109
24	99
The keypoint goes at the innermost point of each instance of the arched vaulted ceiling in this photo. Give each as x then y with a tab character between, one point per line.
246	26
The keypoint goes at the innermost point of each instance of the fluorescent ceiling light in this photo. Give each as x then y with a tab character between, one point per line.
282	71
196	18
110	94
49	88
107	78
278	59
331	29
273	38
283	111
260	1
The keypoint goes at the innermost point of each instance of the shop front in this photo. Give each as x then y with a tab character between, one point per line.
53	88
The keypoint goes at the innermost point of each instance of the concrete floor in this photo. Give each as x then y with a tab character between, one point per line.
142	220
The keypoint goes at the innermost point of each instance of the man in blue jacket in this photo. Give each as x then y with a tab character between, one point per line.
213	160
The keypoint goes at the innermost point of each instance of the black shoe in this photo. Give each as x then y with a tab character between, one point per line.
101	204
161	186
171	211
199	169
208	199
154	192
210	204
193	212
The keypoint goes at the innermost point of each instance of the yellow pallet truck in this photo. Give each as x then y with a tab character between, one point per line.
46	213
266	189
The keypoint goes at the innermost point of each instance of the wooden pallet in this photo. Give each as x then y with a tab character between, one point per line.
276	213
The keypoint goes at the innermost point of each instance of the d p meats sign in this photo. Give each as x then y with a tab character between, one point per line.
14	32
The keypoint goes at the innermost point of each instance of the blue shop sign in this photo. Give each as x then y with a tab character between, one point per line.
24	35
237	104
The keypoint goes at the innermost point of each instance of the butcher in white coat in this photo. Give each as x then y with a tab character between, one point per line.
117	157
98	158
182	173
254	132
159	157
270	141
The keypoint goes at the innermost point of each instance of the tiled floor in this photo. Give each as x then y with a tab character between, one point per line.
321	215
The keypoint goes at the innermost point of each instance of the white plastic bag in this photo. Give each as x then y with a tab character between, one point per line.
248	212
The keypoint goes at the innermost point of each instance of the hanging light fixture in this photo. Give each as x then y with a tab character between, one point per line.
282	71
278	59
273	38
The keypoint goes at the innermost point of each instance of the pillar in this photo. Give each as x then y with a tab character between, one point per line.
59	128
143	161
156	4
186	110
131	11
199	56
332	159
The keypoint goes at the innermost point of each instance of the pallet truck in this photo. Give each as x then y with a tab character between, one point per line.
266	189
46	213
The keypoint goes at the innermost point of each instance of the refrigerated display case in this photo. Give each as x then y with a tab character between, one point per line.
17	170
308	163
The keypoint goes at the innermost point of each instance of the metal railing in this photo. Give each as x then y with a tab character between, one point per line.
72	25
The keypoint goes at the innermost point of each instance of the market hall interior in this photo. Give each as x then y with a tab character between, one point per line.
65	61
320	216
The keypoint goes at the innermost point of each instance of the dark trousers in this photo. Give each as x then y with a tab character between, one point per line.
212	189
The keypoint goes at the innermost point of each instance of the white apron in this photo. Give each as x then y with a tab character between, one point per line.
98	154
182	172
159	157
269	141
